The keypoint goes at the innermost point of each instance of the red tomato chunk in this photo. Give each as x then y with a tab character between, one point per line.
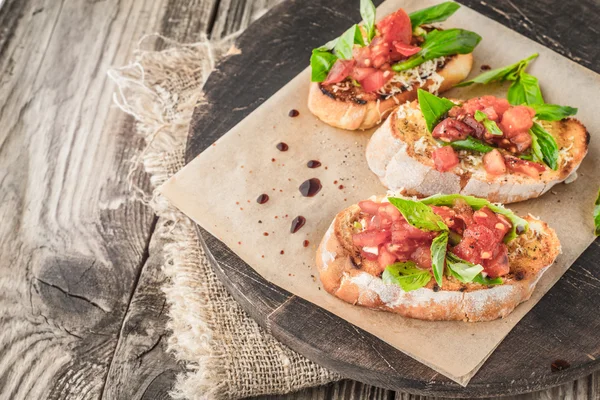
445	158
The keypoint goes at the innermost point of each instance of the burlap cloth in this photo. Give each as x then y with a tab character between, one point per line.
226	354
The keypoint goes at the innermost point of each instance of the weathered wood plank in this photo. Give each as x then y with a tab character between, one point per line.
73	237
141	367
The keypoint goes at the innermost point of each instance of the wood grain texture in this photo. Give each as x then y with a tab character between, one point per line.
73	237
549	329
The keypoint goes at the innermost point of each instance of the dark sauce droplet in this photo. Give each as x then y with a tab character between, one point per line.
297	223
313	164
262	199
265	233
293	113
341	187
305	243
485	67
310	187
282	146
559	365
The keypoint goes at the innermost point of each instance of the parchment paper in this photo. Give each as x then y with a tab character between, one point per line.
219	188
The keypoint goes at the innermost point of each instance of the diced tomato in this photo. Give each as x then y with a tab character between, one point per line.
524	167
491	220
451	129
379	222
369	207
467	250
390	211
406	50
448	215
396	27
369	256
362	56
484	237
385	258
492	106
493	162
445	158
463	211
375	81
370	238
517	120
522	141
402	243
361	73
340	71
422	256
498	265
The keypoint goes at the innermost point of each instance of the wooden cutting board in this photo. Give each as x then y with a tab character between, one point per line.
556	342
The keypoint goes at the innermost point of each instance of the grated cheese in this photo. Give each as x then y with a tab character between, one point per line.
419	75
565	155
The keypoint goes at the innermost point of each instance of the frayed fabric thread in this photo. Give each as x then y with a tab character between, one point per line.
226	354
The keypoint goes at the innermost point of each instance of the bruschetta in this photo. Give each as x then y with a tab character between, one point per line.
445	257
483	147
358	78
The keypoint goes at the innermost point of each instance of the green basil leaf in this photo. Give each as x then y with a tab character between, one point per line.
432	107
597	216
439	44
490	125
536	151
367	12
484	280
461	269
439	246
510	72
552	112
418	214
547	146
518	223
321	62
345	44
437	13
406	275
470	143
329	46
527	157
525	90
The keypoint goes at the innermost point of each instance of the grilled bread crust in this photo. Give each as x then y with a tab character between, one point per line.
351	115
345	275
393	155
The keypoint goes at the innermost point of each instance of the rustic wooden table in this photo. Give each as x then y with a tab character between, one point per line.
80	301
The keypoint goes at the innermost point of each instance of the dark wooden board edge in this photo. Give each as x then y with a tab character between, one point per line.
543	326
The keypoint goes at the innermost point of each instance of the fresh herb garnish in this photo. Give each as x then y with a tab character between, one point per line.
439	247
345	43
418	214
406	275
509	72
367	12
546	146
461	269
490	125
525	90
552	112
321	62
476	203
484	280
440	44
433	108
470	143
437	13
597	216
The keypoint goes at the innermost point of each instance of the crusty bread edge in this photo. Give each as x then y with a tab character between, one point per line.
388	158
352	116
343	279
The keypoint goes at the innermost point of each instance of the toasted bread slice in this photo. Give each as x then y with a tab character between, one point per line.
348	107
400	154
345	275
